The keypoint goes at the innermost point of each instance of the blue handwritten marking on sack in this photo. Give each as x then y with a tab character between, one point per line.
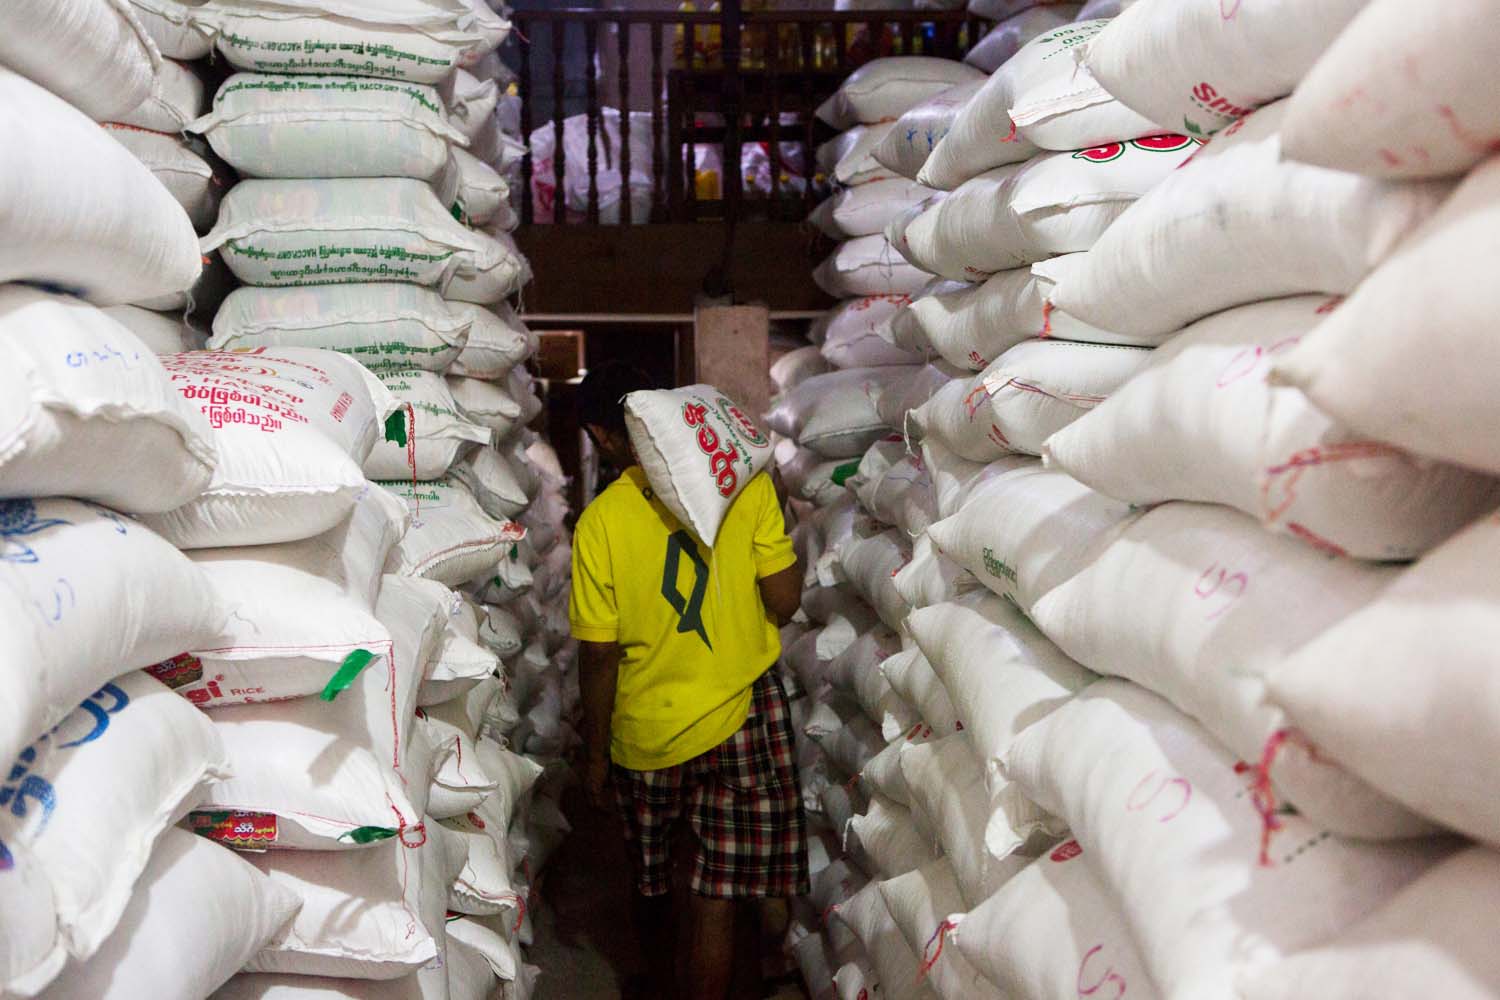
7	861
21	787
108	355
18	518
100	713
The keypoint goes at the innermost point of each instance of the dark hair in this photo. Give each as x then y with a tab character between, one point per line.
602	389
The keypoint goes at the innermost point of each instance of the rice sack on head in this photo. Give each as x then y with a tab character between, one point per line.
699	449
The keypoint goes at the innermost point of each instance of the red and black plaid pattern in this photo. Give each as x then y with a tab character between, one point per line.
742	802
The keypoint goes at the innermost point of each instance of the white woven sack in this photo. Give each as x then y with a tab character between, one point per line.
491	940
470	101
79	211
1000	675
162	333
1053	930
177	98
291	426
1070	110
92	595
202	296
882	773
859	334
1018	214
955	478
1190	67
999	10
931	577
277	798
417	40
270	125
169	23
1416	392
87	411
134	752
155	952
1203	400
278	232
848	737
93	54
796	366
460	782
813	957
1437	614
34	952
897	488
451	539
1024	397
906	146
487	404
482	192
1203	639
436	429
498	340
971	325
869	564
856	979
835	414
1238	200
1165	820
909	390
895	961
1028	530
884	88
1005	39
920	902
386	326
458	667
849	156
301	613
913	680
948	790
494	481
1059	324
1347	115
866	208
509	577
187	176
484	885
1428	936
699	451
867	265
359	916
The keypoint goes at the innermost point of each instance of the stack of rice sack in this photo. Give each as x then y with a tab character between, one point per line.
1222	529
863	270
102	758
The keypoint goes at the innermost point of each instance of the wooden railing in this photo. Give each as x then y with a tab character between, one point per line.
724	81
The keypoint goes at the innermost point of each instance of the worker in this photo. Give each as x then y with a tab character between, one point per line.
683	716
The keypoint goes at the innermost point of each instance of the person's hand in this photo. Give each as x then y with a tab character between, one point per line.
596	780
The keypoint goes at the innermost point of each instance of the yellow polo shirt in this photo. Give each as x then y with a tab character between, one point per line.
693	631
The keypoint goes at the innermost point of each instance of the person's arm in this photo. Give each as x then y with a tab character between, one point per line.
781	593
598	675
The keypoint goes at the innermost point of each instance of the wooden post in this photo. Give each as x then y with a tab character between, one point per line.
731	345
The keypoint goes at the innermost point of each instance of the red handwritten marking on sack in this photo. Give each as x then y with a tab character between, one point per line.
1263	792
1475	143
1250	361
1136	801
721	460
1066	852
1216	580
1110	977
1283	477
928	961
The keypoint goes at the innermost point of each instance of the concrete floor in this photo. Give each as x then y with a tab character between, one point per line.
584	943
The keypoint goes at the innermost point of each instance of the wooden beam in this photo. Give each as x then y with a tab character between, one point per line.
624	270
732	349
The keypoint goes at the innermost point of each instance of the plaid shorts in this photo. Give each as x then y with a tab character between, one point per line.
743	805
